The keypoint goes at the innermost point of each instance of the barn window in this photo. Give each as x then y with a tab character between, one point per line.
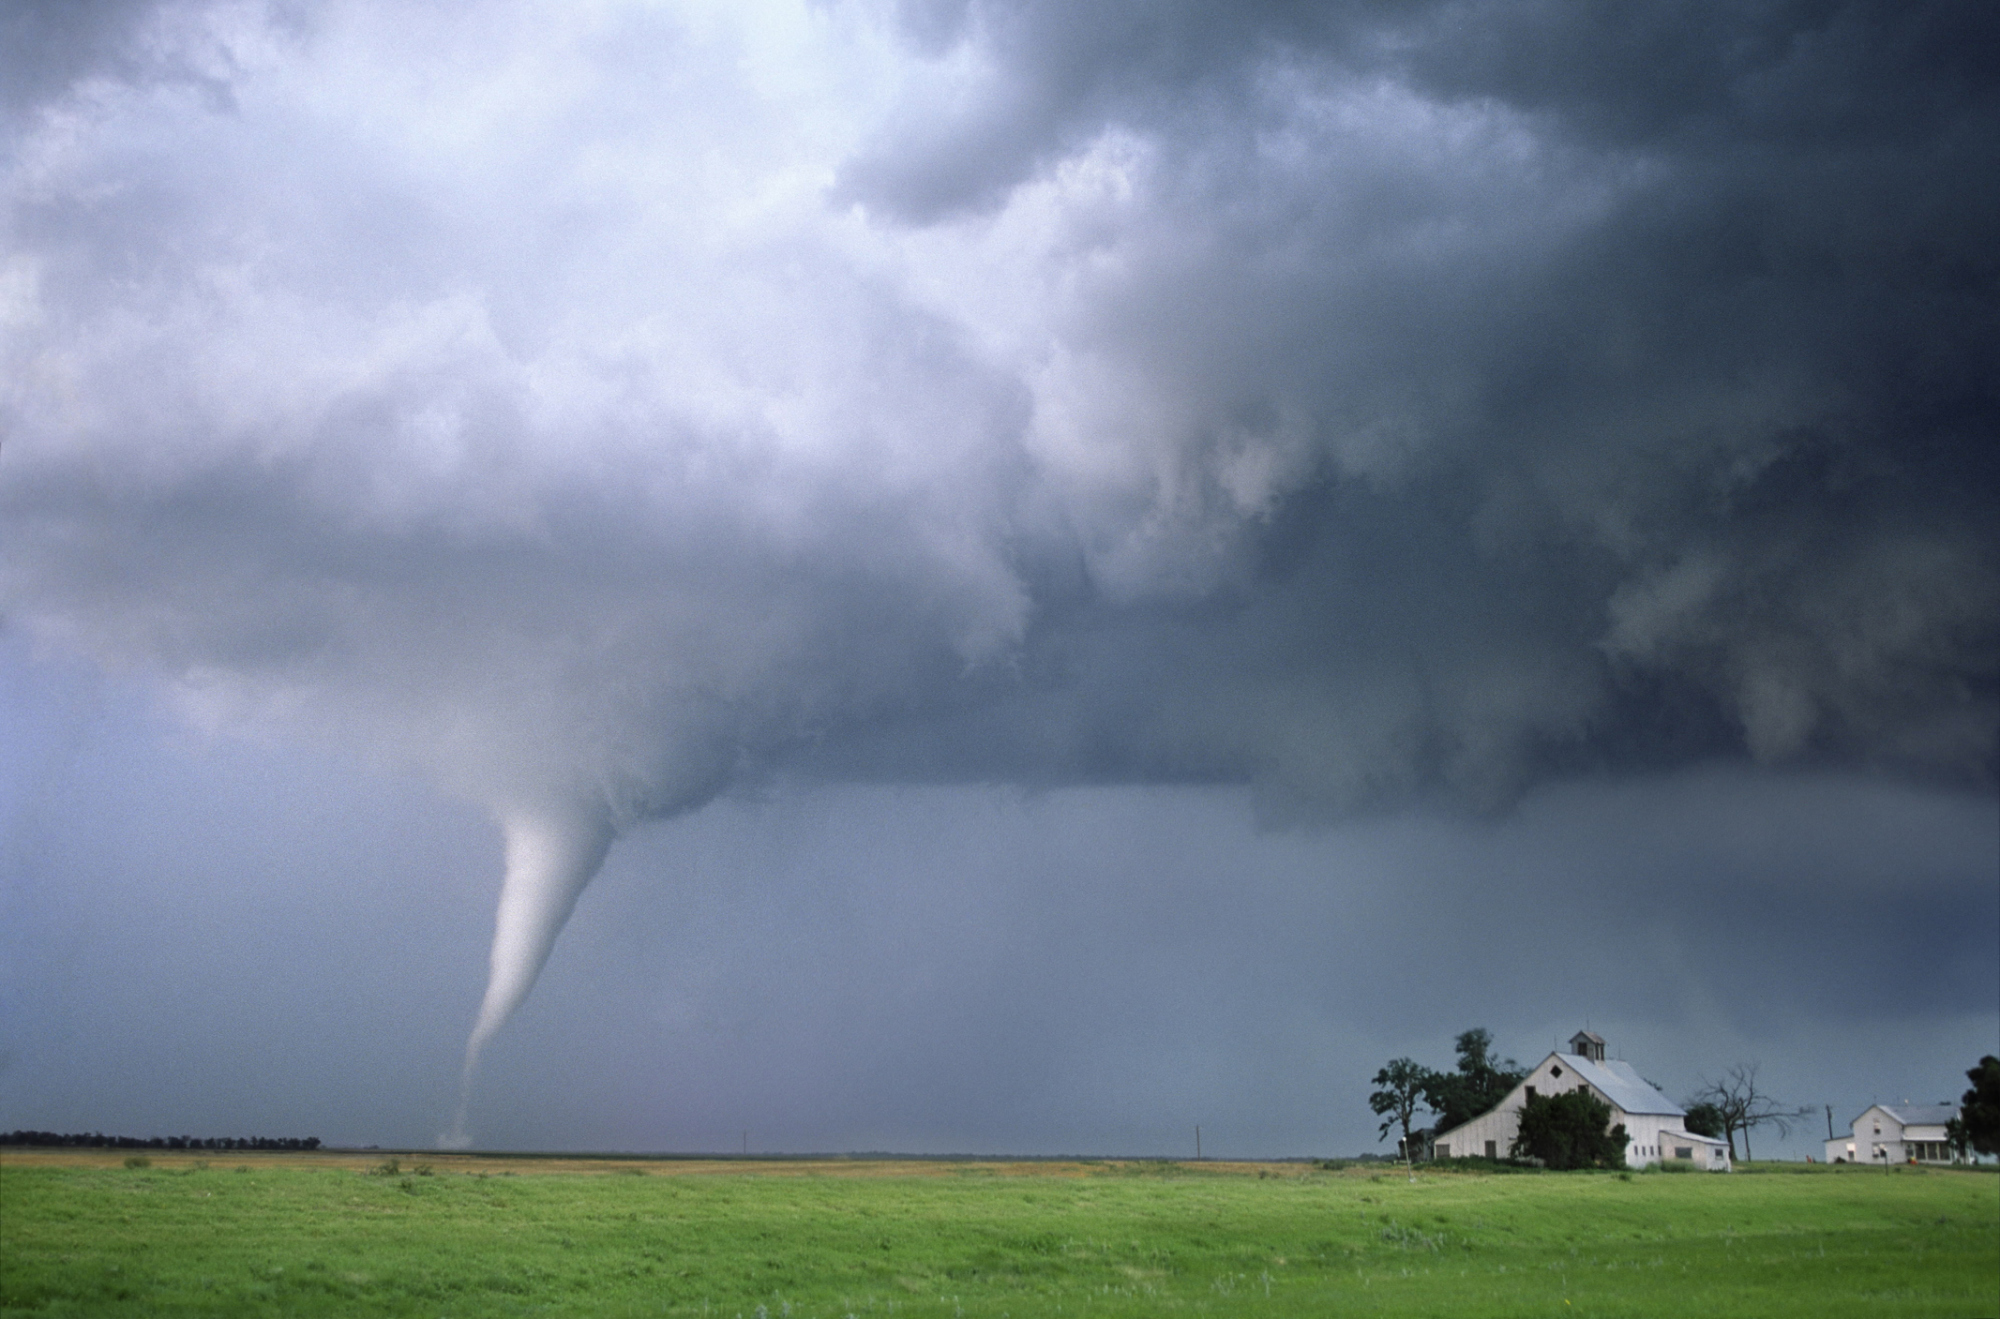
1683	1151
1558	1071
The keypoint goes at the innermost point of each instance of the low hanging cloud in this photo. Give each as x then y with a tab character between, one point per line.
599	407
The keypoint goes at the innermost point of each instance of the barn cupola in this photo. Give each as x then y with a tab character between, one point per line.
1586	1045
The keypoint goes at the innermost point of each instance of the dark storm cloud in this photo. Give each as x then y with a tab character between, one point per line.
1679	359
45	45
49	47
595	410
1696	79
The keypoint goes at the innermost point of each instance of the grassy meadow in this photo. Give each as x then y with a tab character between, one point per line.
446	1235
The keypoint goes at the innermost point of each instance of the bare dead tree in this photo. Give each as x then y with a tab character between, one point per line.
1744	1107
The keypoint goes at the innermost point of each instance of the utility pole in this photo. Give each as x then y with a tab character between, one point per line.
1829	1121
1197	1142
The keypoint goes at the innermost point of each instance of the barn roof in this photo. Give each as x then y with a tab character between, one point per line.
1624	1087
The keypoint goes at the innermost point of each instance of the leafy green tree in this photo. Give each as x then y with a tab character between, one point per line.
1704	1120
1402	1083
1979	1110
1570	1130
1479	1084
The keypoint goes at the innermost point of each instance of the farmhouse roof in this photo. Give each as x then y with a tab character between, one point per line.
1920	1115
1624	1087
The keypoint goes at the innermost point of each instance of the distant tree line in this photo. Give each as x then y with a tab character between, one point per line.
98	1140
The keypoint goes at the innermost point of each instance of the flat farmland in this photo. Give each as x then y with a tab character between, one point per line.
346	1233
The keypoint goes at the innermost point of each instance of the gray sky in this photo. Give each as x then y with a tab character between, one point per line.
1097	568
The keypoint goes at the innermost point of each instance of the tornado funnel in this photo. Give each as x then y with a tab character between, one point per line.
551	854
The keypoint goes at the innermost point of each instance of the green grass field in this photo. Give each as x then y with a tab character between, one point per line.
302	1236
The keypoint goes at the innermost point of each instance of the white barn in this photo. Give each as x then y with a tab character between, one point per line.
1896	1133
1654	1129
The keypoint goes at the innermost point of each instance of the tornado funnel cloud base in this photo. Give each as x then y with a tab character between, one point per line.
551	855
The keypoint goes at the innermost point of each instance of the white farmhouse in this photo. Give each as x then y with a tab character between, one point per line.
1896	1133
1653	1123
